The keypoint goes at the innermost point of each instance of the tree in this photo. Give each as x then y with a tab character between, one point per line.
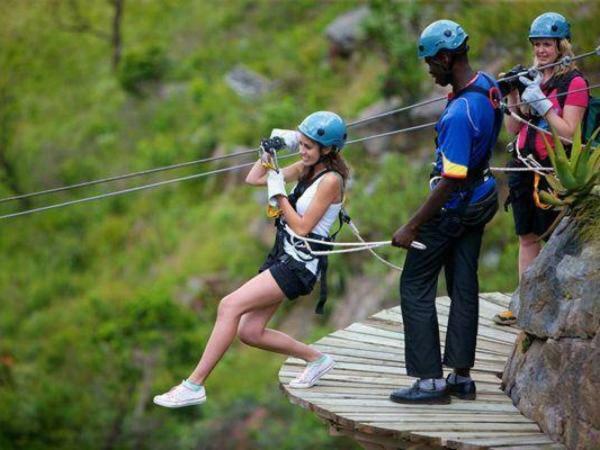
69	17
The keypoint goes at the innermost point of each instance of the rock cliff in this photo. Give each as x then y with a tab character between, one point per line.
553	374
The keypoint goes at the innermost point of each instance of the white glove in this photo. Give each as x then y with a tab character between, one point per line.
291	138
534	96
275	185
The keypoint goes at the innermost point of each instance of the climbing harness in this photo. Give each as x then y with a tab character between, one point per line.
284	235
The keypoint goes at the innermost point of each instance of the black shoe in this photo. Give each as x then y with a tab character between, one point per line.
465	390
417	395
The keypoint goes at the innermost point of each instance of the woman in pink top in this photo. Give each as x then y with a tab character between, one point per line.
550	40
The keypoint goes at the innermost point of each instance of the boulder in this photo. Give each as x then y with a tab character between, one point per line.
346	32
376	147
247	83
557	384
553	374
558	296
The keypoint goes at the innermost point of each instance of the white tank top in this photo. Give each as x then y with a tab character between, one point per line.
321	228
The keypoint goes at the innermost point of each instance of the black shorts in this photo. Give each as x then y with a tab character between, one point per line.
291	276
529	218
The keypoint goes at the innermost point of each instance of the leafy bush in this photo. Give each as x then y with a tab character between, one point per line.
141	66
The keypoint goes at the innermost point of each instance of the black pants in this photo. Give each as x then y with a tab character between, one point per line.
458	252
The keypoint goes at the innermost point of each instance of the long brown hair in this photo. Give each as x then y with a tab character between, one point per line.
332	161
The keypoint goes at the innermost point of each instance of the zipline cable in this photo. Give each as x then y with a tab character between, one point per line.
161	183
189	177
126	191
564	60
128	175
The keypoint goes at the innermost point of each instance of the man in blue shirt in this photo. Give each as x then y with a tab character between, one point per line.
450	223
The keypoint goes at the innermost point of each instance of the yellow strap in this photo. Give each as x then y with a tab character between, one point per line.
269	165
273	212
536	195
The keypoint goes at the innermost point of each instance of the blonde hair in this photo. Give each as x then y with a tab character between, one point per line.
564	49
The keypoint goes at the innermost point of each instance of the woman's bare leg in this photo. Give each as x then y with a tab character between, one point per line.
529	248
252	331
259	292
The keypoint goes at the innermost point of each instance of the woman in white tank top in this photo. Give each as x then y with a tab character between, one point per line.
311	209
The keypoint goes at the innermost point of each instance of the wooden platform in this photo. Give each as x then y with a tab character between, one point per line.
353	398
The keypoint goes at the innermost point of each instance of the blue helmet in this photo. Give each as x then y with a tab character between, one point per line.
325	128
550	25
441	35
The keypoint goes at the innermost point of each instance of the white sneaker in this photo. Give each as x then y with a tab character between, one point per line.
179	396
313	372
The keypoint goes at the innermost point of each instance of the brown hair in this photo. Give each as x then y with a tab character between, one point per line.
332	161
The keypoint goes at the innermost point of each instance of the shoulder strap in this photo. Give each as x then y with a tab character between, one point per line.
561	83
492	93
302	186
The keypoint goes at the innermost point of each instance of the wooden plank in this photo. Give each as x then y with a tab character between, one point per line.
498	334
531	447
493	334
486	372
442	438
537	439
502	300
456	426
354	396
490	344
362	342
428	417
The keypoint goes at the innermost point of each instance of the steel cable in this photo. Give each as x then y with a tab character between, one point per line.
245	152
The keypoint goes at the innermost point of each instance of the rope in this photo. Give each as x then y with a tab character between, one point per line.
356	233
354	246
402	130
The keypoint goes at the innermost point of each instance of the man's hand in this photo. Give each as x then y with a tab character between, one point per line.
404	236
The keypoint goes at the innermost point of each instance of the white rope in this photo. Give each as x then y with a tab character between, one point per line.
356	233
354	246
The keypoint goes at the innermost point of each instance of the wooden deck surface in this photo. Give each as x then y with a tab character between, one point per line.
353	398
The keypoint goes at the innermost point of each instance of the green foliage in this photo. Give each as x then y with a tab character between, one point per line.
139	67
396	27
107	303
575	175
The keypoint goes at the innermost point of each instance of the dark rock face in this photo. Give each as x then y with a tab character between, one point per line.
553	374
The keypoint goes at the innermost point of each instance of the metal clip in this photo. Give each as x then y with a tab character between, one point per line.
566	60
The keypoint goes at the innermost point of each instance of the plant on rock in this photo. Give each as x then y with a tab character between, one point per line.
574	177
